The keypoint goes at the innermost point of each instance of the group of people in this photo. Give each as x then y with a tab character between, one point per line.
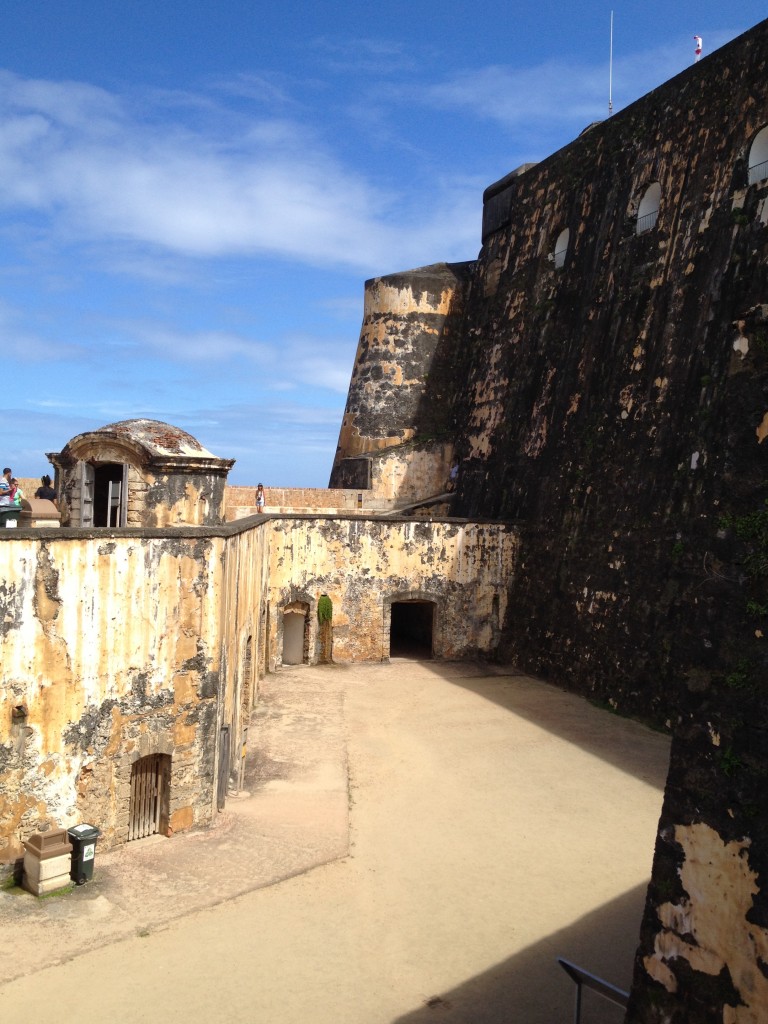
12	494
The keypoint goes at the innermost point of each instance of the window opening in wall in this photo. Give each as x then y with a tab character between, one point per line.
248	686
411	627
110	494
648	211
561	249
293	637
758	157
264	652
149	800
222	779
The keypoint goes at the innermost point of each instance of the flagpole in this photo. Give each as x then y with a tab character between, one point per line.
610	72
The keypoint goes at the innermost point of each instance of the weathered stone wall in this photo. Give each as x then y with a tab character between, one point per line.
410	472
243	629
365	564
110	651
607	408
170	499
616	409
115	647
117	644
240	501
403	383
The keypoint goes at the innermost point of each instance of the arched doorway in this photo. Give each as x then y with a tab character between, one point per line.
411	629
295	624
148	807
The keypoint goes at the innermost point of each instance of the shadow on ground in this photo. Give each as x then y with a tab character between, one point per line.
531	988
559	712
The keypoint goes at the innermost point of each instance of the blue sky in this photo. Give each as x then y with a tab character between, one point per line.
193	195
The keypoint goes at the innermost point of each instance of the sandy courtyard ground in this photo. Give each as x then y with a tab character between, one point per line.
469	826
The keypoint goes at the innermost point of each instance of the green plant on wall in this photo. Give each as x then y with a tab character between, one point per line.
729	762
325	618
324	609
742	676
753	529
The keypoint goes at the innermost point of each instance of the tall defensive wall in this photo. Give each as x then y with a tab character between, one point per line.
609	394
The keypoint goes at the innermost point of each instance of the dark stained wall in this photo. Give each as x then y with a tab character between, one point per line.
607	408
616	407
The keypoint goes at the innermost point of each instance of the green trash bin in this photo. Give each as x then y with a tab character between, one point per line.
9	515
83	839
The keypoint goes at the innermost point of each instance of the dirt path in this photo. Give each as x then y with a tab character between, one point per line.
496	823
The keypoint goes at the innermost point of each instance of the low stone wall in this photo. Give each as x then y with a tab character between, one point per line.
241	501
364	565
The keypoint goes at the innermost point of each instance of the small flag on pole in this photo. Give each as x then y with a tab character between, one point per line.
696	47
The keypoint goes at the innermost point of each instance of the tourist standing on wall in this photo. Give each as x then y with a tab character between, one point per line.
5	487
260	498
46	490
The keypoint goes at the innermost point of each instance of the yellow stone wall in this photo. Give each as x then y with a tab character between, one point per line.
116	647
363	564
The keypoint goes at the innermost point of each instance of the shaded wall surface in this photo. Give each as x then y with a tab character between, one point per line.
616	408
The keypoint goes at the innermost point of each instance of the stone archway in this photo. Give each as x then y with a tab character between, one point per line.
296	633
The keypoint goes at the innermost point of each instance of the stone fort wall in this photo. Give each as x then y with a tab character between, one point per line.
118	645
611	398
608	393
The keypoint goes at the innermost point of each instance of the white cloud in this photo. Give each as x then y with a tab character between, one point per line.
24	345
320	365
269	188
544	98
215	346
365	56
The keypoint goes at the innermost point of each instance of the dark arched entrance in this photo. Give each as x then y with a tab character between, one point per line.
411	627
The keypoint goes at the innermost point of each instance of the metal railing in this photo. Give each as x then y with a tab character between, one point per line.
757	172
583	979
647	222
